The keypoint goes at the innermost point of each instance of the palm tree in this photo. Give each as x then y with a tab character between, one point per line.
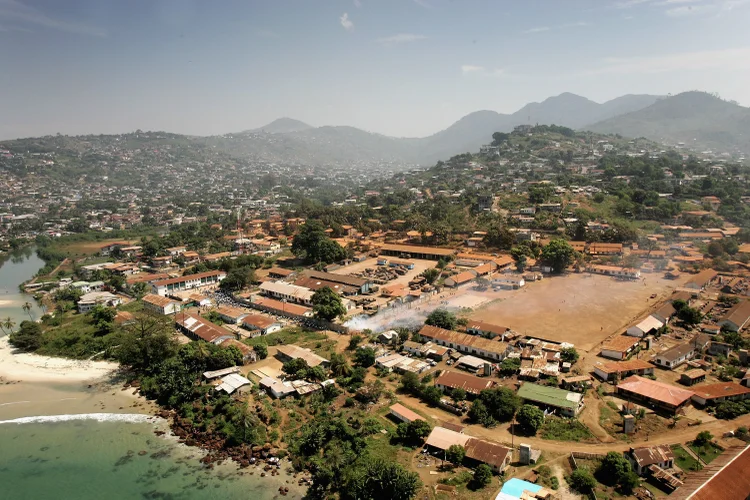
27	309
8	323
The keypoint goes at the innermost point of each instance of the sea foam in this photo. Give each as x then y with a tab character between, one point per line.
134	418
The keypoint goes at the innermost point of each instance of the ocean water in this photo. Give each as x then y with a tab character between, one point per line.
107	457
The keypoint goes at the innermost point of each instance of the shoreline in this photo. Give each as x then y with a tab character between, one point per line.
43	389
28	367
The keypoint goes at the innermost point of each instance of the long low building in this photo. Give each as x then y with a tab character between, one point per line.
159	304
199	328
567	403
274	306
479	451
737	317
713	394
654	394
485	329
470	344
619	370
400	364
284	291
417	252
455	380
188	282
404	414
291	351
259	324
619	347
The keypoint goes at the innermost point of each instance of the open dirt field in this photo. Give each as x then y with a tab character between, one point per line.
582	309
89	247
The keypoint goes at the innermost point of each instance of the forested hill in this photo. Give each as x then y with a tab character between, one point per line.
698	119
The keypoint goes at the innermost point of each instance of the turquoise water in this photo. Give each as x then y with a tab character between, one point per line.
85	459
16	268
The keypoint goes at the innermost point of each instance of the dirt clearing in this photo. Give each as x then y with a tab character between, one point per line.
582	309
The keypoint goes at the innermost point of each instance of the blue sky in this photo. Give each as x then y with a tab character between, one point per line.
397	67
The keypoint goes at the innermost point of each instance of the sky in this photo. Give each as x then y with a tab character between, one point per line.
405	68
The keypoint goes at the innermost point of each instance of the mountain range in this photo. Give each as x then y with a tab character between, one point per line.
698	119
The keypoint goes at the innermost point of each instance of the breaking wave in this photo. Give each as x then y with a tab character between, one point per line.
133	418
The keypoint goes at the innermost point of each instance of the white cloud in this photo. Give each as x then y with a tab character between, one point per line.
470	68
357	4
724	59
346	22
14	11
400	38
540	29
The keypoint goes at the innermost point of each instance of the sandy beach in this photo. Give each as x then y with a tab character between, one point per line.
32	385
31	367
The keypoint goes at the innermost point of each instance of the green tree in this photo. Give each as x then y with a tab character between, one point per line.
380	479
530	419
501	404
431	274
138	290
27	309
509	366
261	350
364	356
455	454
28	337
8	324
582	480
103	318
314	246
482	477
615	469
414	432
458	394
410	383
235	281
558	254
296	368
354	342
703	438
432	395
146	343
327	304
339	366
569	354
689	315
442	319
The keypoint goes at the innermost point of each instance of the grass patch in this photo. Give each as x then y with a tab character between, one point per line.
708	452
134	306
565	429
654	489
302	337
685	460
75	338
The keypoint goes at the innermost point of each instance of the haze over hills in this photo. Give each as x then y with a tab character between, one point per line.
698	119
283	126
695	118
296	141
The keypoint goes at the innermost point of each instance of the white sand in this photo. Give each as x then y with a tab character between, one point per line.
32	367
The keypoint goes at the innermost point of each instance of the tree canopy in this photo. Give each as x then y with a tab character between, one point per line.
327	304
558	254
